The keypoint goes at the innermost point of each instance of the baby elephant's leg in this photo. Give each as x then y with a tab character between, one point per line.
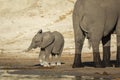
53	61
59	56
42	57
46	60
58	60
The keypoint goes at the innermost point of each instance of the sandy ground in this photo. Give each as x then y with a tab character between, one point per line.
28	64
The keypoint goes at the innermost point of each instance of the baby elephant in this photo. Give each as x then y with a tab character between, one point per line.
50	43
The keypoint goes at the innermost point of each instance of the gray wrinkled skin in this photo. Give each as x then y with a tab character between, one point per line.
50	43
96	20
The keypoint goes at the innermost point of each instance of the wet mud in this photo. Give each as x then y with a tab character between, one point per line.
30	66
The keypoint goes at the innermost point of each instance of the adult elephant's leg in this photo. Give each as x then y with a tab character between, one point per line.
78	36
79	40
118	44
95	38
106	50
118	51
96	53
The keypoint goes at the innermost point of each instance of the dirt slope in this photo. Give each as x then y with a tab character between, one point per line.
21	19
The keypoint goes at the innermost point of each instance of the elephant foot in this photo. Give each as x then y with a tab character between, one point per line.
98	65
77	65
107	65
58	63
41	64
77	61
53	64
45	64
117	65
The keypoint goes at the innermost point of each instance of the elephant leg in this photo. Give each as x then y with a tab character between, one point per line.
46	62
53	61
79	40
48	51
118	44
59	56
95	41
96	33
118	51
106	50
58	60
96	53
42	57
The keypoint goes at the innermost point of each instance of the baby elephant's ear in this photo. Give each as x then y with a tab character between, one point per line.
47	39
40	31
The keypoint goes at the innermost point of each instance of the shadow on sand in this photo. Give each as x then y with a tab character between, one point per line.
91	64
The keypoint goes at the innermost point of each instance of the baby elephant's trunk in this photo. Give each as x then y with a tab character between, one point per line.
29	48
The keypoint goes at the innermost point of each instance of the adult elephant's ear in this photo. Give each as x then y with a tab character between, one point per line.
47	39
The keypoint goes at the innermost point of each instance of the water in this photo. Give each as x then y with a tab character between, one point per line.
63	77
5	76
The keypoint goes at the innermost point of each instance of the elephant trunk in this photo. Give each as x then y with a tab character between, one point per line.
30	47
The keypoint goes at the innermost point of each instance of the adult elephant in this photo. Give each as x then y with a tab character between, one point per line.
96	20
